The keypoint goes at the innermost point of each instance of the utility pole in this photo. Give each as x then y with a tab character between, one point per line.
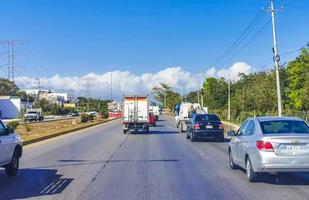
229	102
10	53
276	57
38	88
87	93
10	61
111	85
202	90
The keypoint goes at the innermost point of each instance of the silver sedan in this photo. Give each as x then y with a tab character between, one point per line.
270	144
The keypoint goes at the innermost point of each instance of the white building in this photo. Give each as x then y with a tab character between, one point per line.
10	107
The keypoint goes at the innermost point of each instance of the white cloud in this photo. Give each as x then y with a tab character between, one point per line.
123	82
233	71
130	83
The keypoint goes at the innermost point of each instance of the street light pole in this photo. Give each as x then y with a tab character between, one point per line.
276	57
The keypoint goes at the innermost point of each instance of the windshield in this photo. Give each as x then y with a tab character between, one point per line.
284	126
206	118
31	112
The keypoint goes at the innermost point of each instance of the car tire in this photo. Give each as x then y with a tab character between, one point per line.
193	138
12	168
251	174
231	161
124	131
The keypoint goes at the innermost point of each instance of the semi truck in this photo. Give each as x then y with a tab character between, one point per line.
135	113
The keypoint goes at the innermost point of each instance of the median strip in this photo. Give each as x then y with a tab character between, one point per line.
31	133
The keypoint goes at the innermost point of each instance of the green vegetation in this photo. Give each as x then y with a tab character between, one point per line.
12	125
166	95
255	94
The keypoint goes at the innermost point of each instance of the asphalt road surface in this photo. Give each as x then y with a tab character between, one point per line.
103	163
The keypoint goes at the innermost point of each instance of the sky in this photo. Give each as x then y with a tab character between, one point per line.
143	42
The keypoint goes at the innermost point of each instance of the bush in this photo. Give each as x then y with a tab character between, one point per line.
28	127
84	118
91	117
12	125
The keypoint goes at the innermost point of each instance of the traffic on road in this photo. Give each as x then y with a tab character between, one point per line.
103	163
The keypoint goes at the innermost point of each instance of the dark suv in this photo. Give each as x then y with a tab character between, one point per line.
205	126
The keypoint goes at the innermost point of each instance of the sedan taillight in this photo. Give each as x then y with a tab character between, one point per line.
197	126
220	126
264	146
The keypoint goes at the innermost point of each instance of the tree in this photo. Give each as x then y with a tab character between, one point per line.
215	93
165	94
298	71
7	88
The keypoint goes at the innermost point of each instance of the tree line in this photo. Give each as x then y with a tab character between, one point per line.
254	94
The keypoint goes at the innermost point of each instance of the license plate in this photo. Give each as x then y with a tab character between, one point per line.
293	149
209	126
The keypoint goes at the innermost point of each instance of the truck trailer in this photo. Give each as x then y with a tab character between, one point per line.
135	113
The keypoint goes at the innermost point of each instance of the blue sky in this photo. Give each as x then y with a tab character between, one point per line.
75	37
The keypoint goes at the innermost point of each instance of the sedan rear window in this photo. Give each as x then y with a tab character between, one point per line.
206	118
284	126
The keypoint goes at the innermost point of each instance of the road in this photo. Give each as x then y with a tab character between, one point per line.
103	163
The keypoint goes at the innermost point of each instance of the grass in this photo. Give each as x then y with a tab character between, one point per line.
36	131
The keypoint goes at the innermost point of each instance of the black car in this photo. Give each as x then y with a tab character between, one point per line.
205	126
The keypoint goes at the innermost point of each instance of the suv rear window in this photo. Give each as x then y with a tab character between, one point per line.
206	118
284	126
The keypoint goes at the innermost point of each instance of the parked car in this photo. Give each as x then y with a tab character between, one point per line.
74	114
33	115
270	144
152	119
10	150
205	126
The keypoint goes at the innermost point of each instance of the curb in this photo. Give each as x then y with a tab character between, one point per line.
63	132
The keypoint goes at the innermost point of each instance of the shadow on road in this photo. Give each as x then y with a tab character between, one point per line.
32	183
154	132
285	179
213	140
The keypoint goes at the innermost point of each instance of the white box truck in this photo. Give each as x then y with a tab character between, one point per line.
135	113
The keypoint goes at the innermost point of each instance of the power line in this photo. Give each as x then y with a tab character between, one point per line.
252	25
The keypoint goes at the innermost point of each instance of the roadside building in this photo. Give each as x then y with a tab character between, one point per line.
10	106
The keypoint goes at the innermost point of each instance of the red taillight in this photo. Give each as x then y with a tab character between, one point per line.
197	126
264	146
220	126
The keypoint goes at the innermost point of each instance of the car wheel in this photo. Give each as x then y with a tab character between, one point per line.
231	161
124	131
12	168
193	138
251	174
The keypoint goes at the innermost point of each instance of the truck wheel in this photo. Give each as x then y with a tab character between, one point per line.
12	168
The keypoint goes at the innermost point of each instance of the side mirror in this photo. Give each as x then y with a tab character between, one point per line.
231	133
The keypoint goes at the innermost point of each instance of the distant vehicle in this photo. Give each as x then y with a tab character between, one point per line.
152	119
155	110
33	115
74	114
205	126
135	113
186	110
10	150
93	113
270	144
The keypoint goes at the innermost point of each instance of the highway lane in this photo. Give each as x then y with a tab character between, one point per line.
103	163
